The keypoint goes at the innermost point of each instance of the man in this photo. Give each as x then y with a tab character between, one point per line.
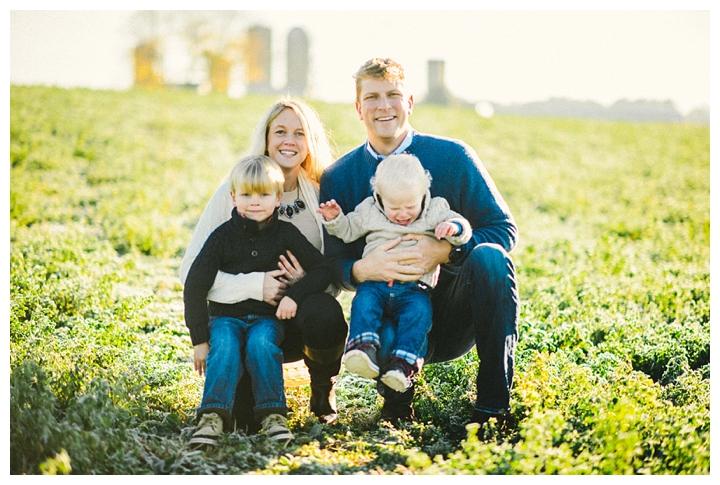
475	302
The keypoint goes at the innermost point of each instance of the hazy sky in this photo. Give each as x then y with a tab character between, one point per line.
501	56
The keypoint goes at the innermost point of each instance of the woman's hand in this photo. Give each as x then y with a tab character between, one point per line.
291	268
201	352
274	286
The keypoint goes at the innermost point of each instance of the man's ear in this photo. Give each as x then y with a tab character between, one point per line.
357	108
411	103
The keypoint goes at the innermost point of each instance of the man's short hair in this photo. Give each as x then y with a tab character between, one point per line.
378	68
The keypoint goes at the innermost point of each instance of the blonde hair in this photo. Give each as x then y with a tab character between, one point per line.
378	68
401	173
320	153
257	174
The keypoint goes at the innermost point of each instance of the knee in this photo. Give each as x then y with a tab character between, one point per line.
491	261
322	321
265	335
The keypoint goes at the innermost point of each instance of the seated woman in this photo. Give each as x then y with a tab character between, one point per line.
292	135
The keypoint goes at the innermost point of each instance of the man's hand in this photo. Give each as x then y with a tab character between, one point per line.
201	352
387	264
286	309
273	287
434	252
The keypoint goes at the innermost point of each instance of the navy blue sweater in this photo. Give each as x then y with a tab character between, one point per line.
458	175
238	246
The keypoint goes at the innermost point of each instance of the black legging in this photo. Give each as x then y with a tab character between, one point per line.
317	335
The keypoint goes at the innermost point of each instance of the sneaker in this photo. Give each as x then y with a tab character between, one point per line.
398	375
362	360
275	428
208	430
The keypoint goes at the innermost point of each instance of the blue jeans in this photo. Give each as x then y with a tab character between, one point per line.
236	346
406	304
475	304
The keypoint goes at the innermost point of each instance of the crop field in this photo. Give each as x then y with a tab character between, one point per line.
613	361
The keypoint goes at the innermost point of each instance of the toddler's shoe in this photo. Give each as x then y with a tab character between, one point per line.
398	374
275	428
208	430
362	360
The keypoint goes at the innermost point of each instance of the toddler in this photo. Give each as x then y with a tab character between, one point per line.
400	205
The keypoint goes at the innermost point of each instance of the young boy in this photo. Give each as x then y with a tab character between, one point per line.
231	339
400	205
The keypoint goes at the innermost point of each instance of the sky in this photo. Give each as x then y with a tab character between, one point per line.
501	56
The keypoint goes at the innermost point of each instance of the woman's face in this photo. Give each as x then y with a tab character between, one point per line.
286	143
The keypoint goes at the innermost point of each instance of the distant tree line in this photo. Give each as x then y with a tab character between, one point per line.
621	110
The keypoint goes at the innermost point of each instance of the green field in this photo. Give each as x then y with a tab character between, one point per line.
613	361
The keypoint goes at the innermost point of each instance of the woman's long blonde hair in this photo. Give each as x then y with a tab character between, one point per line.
320	153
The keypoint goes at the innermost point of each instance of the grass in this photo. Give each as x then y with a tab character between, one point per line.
613	362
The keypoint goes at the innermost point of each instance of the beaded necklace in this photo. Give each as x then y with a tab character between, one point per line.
289	210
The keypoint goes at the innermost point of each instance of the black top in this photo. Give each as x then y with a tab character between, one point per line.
238	246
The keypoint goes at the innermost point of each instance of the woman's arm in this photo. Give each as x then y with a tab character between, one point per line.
227	288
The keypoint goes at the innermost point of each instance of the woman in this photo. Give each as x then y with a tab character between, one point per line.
291	134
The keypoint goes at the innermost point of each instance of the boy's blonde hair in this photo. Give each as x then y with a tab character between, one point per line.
320	152
378	68
401	173
257	174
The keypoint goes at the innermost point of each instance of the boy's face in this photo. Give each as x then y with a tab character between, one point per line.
402	208
254	206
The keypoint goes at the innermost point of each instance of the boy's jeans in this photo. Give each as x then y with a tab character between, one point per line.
236	346
407	303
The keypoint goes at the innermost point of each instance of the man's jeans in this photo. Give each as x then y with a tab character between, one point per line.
407	304
236	346
475	304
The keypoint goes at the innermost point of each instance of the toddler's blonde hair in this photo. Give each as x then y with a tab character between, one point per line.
401	173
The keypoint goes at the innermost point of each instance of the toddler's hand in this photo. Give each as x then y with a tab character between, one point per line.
445	229
286	308
329	210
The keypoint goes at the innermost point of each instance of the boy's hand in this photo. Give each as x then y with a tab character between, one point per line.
329	210
286	308
201	352
445	229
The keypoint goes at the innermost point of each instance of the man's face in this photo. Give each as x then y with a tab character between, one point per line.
384	107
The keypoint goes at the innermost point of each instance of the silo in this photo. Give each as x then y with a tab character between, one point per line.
297	62
437	92
258	60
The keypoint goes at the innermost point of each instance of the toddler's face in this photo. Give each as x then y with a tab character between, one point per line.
402	208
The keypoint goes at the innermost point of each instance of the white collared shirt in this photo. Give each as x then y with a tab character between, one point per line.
405	143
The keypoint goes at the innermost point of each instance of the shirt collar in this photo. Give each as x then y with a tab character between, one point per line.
405	143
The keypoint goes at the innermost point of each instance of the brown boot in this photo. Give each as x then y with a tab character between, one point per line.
322	401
